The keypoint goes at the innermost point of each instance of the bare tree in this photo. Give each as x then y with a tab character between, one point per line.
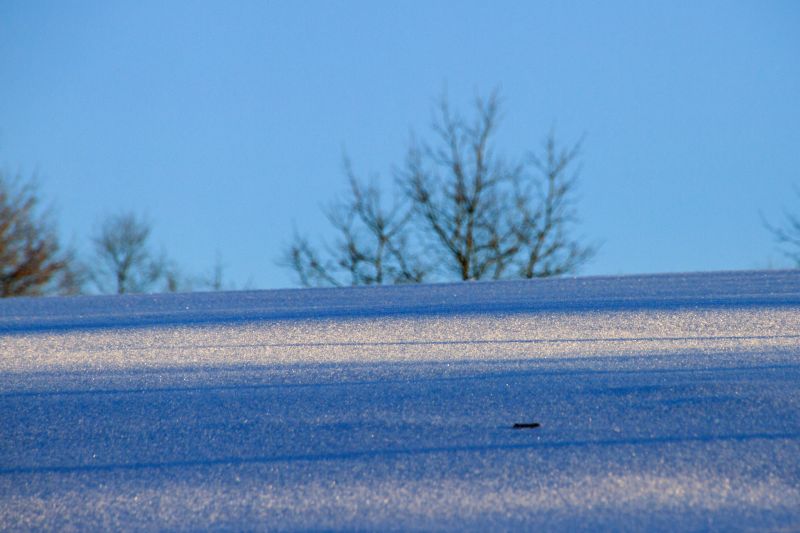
31	261
372	247
487	217
787	235
477	214
462	194
123	260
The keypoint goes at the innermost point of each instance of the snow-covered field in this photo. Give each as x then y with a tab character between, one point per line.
666	402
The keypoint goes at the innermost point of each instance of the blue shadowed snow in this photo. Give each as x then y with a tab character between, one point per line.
664	402
659	291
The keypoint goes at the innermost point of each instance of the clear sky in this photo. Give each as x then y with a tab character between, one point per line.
225	122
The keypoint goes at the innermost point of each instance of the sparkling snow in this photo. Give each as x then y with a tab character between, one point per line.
664	402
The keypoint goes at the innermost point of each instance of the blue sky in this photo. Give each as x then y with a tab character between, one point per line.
225	122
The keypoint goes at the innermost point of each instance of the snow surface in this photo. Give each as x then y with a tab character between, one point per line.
667	402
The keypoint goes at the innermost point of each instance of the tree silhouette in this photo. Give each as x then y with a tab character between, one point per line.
124	262
469	212
31	260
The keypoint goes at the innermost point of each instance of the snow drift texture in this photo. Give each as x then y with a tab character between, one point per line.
663	402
